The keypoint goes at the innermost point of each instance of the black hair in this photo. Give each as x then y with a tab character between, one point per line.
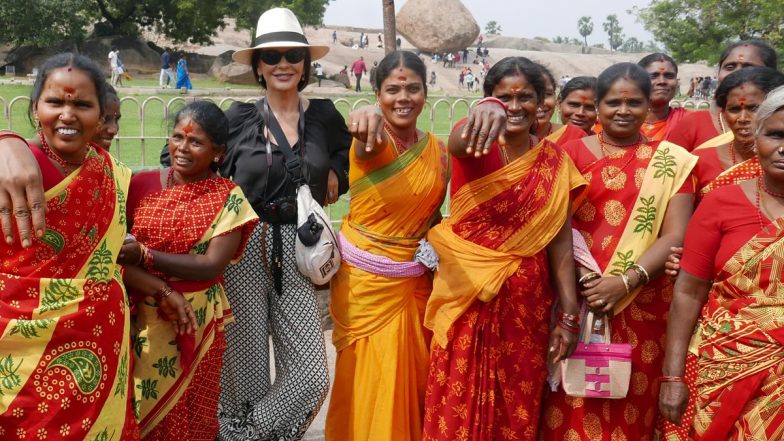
767	54
209	117
765	78
255	59
548	75
629	71
511	66
405	59
577	83
67	59
654	57
110	92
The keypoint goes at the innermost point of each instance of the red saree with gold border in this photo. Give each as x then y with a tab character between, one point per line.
619	219
491	299
64	323
740	381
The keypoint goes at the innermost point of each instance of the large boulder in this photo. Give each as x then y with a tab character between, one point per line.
437	25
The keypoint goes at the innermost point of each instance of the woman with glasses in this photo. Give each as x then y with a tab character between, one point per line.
267	293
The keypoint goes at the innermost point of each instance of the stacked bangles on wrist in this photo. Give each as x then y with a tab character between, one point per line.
145	258
164	292
642	274
569	322
672	379
593	275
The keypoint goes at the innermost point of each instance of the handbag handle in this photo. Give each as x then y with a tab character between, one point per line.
590	322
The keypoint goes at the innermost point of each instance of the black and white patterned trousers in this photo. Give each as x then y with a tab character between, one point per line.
251	406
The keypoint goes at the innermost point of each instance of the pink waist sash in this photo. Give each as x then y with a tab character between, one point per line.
375	264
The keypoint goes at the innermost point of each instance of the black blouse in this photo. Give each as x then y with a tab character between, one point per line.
327	144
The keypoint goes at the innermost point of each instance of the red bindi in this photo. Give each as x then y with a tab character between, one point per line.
662	69
583	99
742	100
69	89
188	128
401	78
70	69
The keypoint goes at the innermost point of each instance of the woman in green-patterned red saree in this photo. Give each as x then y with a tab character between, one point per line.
64	323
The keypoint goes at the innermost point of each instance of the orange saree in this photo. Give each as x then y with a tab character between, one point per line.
490	305
382	347
619	219
64	323
660	130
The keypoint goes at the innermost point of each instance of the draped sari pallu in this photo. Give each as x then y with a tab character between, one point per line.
379	295
491	298
740	380
64	323
182	220
660	130
620	219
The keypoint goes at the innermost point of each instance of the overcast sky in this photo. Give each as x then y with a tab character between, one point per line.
519	18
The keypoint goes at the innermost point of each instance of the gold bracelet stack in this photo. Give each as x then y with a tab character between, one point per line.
593	275
626	284
164	292
641	273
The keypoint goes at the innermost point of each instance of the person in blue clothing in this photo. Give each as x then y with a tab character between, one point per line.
183	79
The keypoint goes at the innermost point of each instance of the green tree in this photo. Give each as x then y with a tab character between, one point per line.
614	31
585	27
693	30
632	45
43	23
492	28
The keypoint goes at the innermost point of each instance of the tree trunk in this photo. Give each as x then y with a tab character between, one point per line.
390	32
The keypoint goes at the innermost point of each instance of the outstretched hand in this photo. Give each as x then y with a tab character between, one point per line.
21	192
485	124
366	124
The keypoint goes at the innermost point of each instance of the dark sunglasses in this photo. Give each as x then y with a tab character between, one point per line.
293	56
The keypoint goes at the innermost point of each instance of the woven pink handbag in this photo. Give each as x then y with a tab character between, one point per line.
597	370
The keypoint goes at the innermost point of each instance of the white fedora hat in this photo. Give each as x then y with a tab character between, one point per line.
278	27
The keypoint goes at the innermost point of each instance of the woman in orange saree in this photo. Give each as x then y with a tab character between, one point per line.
397	181
637	207
64	323
577	104
700	126
188	224
664	81
492	295
730	266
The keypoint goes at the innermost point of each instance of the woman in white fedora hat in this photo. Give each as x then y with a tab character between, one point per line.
267	293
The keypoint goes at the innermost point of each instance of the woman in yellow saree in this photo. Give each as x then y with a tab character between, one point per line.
731	265
398	177
64	323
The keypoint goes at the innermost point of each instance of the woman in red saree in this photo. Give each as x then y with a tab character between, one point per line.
577	103
637	207
64	323
731	275
703	125
490	306
661	117
188	224
738	97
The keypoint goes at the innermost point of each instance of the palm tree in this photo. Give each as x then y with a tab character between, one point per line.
390	33
585	26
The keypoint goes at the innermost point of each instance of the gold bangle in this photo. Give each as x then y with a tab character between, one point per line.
164	292
587	277
625	280
642	272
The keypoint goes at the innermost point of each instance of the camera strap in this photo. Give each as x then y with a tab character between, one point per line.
293	161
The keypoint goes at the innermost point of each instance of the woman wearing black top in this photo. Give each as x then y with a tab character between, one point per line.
267	293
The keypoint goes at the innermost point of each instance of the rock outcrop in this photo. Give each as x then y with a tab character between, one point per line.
437	25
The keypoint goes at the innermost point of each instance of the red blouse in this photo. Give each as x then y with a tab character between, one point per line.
708	166
50	174
693	129
724	221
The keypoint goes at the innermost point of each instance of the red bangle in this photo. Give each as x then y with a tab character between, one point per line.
672	379
492	99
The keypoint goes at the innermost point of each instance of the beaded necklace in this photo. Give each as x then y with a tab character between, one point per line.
397	142
67	166
761	186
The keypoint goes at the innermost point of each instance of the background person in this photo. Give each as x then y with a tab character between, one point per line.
358	68
577	104
661	117
166	70
183	76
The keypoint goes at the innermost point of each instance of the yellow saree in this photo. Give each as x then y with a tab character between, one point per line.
383	356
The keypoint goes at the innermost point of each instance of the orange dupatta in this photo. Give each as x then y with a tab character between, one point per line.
532	195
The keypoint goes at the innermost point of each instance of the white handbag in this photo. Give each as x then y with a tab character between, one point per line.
316	247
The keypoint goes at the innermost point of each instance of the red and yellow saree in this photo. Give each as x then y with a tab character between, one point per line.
181	220
620	218
491	299
740	383
660	130
64	323
382	347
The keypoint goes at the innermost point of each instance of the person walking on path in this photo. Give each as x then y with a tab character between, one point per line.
358	68
114	56
183	77
166	70
373	71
